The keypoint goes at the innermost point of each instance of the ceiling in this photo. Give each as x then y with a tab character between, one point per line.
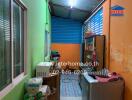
81	10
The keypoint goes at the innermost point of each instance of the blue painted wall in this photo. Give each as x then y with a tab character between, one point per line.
66	31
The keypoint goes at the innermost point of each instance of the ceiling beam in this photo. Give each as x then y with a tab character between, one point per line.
94	10
69	8
69	14
52	8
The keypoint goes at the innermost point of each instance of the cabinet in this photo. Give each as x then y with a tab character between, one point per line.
94	51
93	90
54	83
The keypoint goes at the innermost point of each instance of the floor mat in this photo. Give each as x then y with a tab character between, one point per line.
70	89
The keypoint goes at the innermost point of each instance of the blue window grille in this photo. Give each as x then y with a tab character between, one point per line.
95	23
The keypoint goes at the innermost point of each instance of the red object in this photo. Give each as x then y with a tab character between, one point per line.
88	34
117	12
114	76
94	56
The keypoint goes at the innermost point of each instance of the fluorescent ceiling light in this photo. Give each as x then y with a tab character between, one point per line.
72	3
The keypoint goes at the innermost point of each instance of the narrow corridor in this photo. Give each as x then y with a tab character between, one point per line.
39	39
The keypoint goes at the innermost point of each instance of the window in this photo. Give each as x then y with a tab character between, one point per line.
18	39
95	23
5	44
12	36
47	43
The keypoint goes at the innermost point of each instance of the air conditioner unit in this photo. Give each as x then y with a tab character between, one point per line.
43	69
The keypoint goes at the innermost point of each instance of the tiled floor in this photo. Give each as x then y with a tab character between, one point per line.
70	89
70	98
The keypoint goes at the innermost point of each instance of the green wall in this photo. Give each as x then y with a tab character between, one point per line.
36	17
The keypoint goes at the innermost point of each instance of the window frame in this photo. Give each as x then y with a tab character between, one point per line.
21	76
47	44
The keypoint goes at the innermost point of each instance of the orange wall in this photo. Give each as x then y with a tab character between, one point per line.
69	52
106	28
120	42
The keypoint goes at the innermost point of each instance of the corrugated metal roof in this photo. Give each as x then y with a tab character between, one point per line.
80	11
